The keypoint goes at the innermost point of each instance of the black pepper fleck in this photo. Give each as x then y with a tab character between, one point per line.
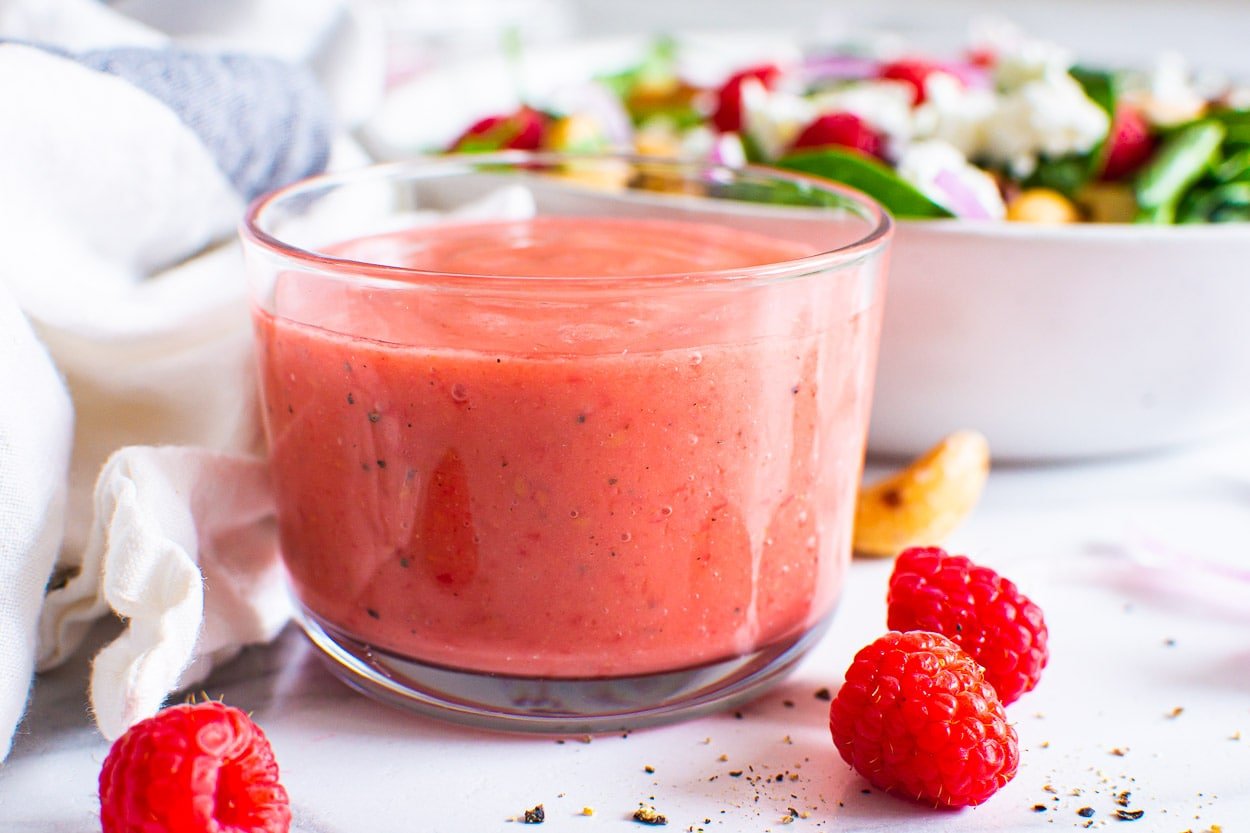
374	416
373	613
351	400
381	464
535	815
1085	812
823	694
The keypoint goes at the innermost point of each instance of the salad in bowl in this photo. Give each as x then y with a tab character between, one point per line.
1011	129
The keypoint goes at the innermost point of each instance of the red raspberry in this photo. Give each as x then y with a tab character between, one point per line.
522	130
983	57
842	129
201	768
917	718
728	115
994	622
912	71
1129	144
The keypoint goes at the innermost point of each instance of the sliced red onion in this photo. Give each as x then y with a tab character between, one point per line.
839	68
970	75
959	198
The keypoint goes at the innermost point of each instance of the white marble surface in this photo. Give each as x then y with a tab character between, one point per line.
1131	643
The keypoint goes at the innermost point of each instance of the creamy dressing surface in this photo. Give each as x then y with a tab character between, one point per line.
564	247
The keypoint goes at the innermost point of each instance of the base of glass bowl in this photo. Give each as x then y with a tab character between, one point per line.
556	706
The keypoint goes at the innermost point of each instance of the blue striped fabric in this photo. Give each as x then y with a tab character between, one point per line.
267	123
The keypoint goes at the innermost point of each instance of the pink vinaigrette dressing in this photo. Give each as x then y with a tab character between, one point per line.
568	489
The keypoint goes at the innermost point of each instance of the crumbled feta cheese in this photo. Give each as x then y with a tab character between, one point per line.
1171	97
1049	116
992	35
884	105
701	142
1018	58
942	173
773	118
1238	98
1030	62
954	113
1040	110
697	142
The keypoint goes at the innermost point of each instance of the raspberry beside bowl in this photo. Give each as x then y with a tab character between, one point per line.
1064	342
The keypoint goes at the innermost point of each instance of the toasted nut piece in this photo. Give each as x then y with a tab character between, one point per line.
1108	202
923	503
657	139
600	174
575	134
1042	205
657	96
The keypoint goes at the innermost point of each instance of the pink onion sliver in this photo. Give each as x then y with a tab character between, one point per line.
961	200
973	77
727	150
597	101
839	68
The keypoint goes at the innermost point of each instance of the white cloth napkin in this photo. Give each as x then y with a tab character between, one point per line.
183	547
125	328
35	426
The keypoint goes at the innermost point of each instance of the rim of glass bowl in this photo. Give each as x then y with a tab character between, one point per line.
879	225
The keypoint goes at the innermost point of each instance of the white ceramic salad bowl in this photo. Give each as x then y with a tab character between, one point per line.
1057	342
1062	342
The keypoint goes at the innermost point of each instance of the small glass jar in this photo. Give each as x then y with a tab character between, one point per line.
565	444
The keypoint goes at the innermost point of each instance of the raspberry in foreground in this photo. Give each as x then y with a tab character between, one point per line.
916	718
194	768
931	590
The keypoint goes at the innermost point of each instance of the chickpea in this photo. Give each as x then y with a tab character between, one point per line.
1042	205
